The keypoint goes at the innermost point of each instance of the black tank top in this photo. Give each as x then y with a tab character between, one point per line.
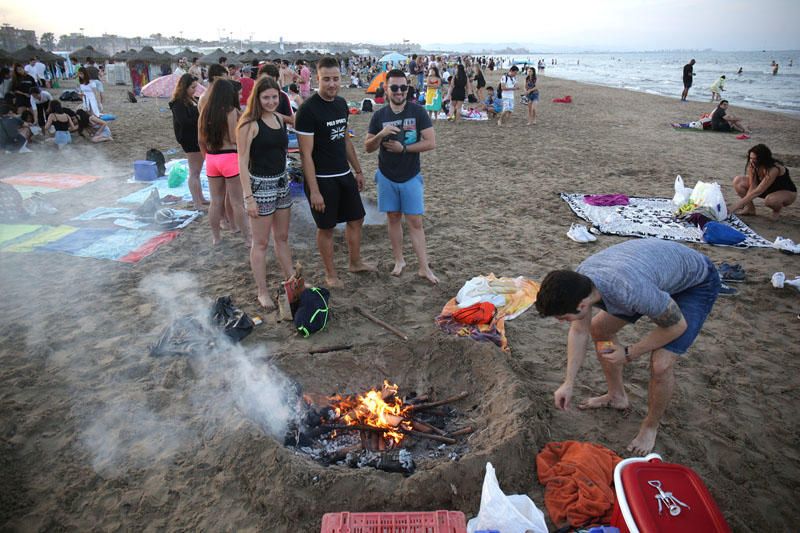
268	150
61	126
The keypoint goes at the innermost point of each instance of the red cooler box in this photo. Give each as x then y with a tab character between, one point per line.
658	497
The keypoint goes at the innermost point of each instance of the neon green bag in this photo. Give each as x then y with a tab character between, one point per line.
177	175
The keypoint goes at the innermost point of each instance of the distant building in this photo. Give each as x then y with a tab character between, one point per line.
12	39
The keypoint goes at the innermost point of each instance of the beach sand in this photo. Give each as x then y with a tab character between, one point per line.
97	435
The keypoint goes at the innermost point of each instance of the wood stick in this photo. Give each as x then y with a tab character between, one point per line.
380	322
426	428
326	349
463	431
422	406
359	427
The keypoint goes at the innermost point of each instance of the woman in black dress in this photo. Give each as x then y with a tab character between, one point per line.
480	81
184	122
458	92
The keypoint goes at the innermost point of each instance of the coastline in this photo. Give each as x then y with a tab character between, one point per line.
491	206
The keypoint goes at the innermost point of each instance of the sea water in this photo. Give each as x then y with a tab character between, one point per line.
662	73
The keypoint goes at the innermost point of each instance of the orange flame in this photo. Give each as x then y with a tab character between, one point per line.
372	409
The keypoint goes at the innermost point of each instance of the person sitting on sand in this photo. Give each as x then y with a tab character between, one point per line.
491	104
673	285
61	123
721	120
91	127
716	88
262	141
764	177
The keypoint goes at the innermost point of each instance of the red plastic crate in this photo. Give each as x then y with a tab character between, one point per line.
425	522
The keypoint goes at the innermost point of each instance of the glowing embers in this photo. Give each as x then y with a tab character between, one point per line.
377	428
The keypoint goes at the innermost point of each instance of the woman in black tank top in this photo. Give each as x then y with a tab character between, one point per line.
262	142
765	177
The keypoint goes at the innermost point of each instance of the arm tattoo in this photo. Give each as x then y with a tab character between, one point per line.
670	317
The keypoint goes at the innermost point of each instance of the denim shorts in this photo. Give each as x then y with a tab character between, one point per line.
406	197
695	304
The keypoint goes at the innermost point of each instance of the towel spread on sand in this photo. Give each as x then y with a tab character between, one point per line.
651	217
46	182
127	246
578	479
515	296
606	199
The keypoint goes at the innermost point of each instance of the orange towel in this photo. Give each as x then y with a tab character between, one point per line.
578	479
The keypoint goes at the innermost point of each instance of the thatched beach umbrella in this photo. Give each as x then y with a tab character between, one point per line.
123	55
189	54
88	52
248	56
213	57
25	54
147	55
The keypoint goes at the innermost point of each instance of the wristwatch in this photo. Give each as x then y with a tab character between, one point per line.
627	355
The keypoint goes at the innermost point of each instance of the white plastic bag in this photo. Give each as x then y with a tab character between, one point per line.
710	195
508	514
682	193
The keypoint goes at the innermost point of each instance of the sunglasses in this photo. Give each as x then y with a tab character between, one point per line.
398	88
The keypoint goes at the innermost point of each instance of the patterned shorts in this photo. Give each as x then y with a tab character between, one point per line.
271	193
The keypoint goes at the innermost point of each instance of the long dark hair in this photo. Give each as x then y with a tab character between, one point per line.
54	107
83	76
764	159
213	123
16	77
436	71
180	94
531	76
83	120
461	74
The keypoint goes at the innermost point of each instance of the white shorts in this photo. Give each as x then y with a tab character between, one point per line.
508	103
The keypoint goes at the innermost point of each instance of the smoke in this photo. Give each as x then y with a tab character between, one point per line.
190	398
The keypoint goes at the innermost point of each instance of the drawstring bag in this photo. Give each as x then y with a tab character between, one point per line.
722	234
312	314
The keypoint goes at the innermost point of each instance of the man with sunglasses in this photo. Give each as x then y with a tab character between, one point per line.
401	131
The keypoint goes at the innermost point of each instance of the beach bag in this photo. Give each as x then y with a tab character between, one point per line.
312	313
70	96
479	313
131	97
366	105
722	234
682	193
234	322
472	99
158	158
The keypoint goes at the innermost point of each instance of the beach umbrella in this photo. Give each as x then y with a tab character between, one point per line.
164	86
213	57
188	54
393	57
123	55
96	55
146	55
25	54
248	56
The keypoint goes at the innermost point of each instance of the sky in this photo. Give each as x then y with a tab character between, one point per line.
618	25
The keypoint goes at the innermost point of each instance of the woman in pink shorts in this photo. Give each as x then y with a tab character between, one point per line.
217	135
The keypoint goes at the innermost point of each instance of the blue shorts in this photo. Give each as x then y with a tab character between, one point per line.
533	96
406	197
695	304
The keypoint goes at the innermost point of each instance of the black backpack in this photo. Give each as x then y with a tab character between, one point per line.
366	105
70	96
313	312
157	157
131	97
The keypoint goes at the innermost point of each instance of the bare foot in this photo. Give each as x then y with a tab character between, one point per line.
528	123
644	441
215	241
428	274
361	267
774	214
266	302
223	224
333	282
751	211
605	401
398	267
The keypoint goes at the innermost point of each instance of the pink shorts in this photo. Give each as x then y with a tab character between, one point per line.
222	164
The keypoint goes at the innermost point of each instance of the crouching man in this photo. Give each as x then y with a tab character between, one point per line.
673	285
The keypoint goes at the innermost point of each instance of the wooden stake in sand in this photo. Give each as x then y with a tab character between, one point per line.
381	323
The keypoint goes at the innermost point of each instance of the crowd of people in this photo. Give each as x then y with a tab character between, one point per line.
29	113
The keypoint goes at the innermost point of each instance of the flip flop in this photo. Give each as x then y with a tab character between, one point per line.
743	136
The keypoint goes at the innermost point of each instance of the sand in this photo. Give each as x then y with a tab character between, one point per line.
97	435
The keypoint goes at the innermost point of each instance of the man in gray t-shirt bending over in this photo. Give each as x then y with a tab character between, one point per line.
673	285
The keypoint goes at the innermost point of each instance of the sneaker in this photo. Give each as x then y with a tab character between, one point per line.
731	273
576	234
727	290
586	235
24	150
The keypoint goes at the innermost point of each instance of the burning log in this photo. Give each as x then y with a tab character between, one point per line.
361	427
418	425
423	406
380	322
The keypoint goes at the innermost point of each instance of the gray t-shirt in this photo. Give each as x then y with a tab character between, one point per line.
638	276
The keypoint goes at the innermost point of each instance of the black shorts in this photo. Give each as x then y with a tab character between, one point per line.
190	147
342	201
687	84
